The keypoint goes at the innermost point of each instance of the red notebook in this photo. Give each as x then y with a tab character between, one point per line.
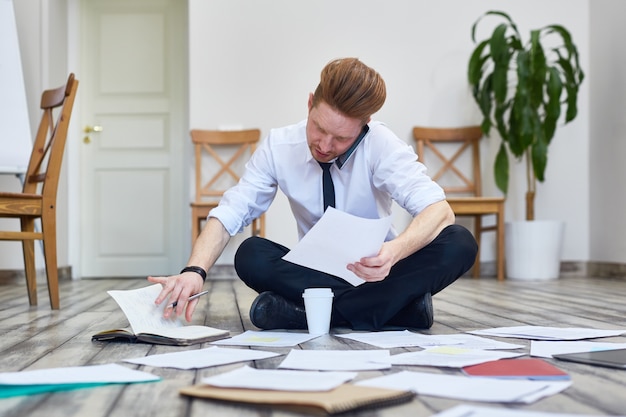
524	368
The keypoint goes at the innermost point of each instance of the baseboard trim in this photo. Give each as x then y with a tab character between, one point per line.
571	269
487	269
606	269
11	276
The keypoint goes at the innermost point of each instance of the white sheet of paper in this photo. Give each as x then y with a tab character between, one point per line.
469	389
449	356
140	310
470	341
284	380
267	338
400	338
479	411
336	360
110	373
545	349
547	333
201	358
339	239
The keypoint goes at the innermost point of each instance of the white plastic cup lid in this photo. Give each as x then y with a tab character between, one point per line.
318	292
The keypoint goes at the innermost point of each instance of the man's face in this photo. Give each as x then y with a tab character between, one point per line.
329	133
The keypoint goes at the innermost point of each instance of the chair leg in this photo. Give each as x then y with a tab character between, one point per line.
478	226
196	224
500	244
258	226
28	248
48	228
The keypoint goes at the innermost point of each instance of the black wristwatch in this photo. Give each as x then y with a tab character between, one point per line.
198	270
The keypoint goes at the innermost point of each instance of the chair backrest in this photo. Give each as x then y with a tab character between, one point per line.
46	157
455	156
217	153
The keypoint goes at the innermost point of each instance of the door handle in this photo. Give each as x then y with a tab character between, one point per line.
89	129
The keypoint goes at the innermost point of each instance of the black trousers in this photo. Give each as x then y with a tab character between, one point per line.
369	306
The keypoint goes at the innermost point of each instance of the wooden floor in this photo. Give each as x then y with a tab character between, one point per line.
36	337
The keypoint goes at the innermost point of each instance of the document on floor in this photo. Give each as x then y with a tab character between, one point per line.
548	333
449	357
545	349
336	360
202	358
68	378
339	239
279	379
469	341
148	324
400	338
469	389
480	411
268	338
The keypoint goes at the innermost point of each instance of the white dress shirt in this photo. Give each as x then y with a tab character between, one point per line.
382	169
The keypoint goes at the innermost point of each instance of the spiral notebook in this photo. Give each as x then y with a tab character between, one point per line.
344	398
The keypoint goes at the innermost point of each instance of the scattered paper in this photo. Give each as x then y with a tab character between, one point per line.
545	349
336	360
201	358
547	333
284	380
108	374
400	338
449	356
469	341
266	338
478	411
339	239
469	389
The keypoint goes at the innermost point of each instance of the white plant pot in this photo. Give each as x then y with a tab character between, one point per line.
533	249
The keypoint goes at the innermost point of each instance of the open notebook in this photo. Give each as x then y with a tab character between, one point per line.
148	325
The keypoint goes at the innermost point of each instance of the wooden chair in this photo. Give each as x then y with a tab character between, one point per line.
221	151
463	189
39	193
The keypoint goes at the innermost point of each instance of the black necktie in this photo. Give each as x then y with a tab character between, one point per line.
327	185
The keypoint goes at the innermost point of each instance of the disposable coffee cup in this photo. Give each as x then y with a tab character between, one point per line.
318	304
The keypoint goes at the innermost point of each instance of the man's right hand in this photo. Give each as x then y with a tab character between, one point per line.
178	288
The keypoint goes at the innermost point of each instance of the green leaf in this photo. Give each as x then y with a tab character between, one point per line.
536	69
501	56
484	97
572	98
499	114
554	89
501	169
540	157
475	68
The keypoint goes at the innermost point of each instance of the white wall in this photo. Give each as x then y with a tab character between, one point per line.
42	35
608	132
253	64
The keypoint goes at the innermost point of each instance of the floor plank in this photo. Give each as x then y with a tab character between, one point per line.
36	338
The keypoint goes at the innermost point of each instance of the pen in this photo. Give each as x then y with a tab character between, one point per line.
175	303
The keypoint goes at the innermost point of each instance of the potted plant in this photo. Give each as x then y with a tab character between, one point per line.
522	89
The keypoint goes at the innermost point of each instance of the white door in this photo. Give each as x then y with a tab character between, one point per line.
132	82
